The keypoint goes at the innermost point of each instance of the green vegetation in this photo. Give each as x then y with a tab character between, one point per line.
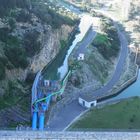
16	56
3	63
2	71
107	43
13	93
31	43
63	44
98	67
7	5
17	94
123	115
4	34
12	23
23	16
50	71
14	52
51	16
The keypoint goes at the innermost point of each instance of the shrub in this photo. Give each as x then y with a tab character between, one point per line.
30	78
63	44
51	17
4	34
23	16
12	23
4	60
7	5
2	71
31	43
107	45
16	56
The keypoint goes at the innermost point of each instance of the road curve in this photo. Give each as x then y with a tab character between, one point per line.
119	67
72	110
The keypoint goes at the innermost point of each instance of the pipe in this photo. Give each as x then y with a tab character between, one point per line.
41	121
34	121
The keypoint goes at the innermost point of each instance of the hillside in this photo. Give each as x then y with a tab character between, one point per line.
29	40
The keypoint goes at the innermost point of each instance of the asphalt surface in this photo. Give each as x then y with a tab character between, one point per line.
118	70
65	116
72	110
85	42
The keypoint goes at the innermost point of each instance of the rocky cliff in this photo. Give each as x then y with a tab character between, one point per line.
28	42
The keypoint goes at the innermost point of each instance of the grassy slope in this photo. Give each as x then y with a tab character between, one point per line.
123	115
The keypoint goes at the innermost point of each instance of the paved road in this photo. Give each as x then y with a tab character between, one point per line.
65	116
72	110
119	67
85	42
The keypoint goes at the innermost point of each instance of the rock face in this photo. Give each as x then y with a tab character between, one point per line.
15	93
51	46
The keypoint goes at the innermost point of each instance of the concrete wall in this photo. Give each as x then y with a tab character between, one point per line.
44	135
117	89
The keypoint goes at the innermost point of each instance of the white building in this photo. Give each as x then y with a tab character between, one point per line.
81	56
87	103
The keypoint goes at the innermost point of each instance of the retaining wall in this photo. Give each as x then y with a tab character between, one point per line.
32	135
116	90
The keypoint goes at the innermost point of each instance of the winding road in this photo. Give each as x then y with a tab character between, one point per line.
119	67
73	109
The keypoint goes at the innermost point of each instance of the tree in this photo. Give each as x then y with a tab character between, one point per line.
16	56
7	5
2	71
31	43
12	23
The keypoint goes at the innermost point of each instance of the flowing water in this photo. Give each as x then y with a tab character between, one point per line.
59	67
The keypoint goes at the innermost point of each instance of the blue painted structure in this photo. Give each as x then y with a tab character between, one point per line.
41	121
34	121
41	105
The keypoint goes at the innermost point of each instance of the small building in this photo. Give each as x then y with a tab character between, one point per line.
88	103
46	82
81	57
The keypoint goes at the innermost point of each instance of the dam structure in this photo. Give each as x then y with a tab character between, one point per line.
51	81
